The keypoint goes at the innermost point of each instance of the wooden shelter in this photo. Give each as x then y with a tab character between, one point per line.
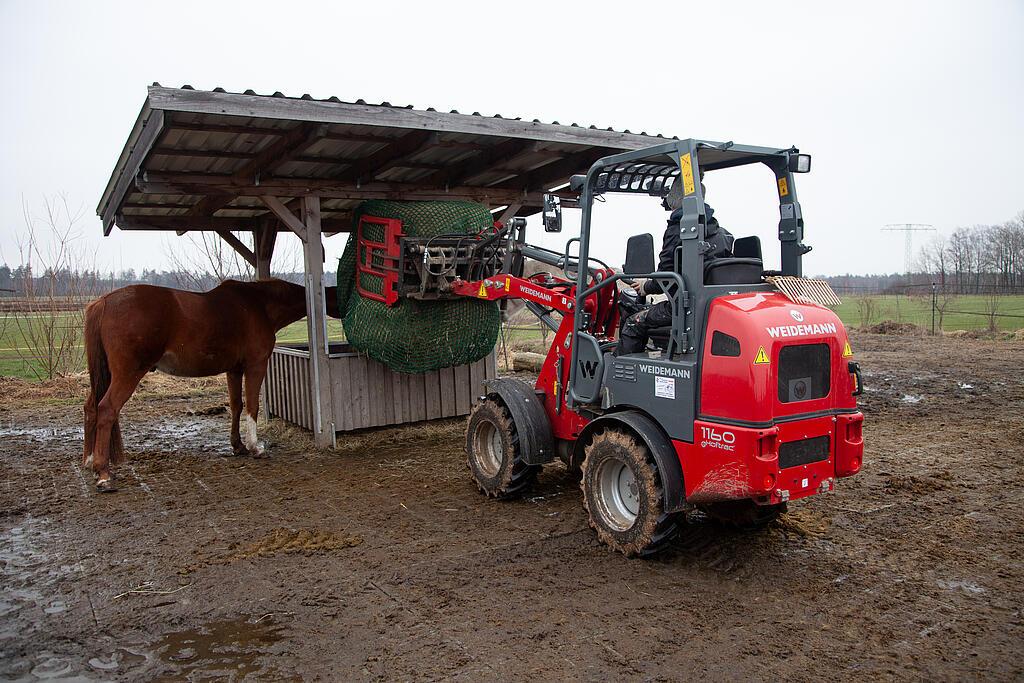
233	162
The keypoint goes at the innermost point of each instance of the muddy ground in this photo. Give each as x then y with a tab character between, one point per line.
381	561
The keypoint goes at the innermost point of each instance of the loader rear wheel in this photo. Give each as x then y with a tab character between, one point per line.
493	452
623	495
744	514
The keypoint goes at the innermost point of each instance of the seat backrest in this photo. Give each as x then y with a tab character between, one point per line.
747	247
733	271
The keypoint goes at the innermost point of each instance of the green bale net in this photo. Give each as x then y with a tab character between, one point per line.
416	336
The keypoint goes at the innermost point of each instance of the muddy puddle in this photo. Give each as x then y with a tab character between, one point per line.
229	650
39	434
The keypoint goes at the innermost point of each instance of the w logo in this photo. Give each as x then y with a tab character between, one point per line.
588	368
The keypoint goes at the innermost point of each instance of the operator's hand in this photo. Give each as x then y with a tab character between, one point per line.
638	286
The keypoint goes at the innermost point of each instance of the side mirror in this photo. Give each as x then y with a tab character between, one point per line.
577	181
552	213
799	163
639	255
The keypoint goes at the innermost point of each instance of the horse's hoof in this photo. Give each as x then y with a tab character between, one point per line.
106	486
259	452
240	451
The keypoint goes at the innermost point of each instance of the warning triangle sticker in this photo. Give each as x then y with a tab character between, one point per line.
847	351
483	291
761	358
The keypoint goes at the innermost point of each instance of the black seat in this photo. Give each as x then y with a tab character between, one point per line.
733	271
743	267
747	247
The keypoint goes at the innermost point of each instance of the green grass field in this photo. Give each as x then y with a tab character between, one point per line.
17	358
963	313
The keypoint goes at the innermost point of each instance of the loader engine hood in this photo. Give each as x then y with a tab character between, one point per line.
767	359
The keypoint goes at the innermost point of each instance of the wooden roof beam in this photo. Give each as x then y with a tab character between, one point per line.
240	247
193	183
234	129
284	149
290	220
279	151
478	163
154	205
336	222
344	136
201	153
546	176
403	147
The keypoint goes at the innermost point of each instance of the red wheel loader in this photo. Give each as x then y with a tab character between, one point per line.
745	402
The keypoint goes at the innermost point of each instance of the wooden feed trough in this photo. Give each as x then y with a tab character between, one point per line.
366	393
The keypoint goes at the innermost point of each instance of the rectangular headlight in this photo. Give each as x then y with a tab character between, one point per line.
800	163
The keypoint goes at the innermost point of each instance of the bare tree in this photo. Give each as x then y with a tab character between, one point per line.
934	259
53	286
867	307
992	302
203	259
944	298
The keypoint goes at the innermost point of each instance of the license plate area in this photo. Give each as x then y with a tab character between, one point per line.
803	451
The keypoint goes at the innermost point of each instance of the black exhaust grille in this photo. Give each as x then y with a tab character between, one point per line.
793	453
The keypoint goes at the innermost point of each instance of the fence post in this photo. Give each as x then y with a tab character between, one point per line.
933	308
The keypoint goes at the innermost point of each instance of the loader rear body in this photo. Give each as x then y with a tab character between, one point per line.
745	402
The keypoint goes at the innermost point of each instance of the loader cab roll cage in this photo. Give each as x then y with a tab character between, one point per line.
653	171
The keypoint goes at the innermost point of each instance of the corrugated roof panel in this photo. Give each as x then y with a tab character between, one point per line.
220	134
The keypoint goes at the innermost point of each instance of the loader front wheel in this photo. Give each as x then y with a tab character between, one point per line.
623	495
493	452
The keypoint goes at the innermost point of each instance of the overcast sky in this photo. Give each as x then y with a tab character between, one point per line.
912	111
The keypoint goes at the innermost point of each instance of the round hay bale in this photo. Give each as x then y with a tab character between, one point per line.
416	336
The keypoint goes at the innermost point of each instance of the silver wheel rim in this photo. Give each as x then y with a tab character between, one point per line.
618	494
488	449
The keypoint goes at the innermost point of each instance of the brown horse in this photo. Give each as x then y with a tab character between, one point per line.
142	328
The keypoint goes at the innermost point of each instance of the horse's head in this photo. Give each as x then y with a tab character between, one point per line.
331	302
285	302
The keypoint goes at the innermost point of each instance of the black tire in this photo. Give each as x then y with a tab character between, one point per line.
744	514
493	453
632	521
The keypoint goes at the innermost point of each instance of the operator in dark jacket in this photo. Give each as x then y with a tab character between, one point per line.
637	327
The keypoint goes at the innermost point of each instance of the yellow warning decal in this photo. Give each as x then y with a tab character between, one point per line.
483	291
847	351
761	358
508	284
686	166
783	187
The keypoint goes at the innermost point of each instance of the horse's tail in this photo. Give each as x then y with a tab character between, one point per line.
99	381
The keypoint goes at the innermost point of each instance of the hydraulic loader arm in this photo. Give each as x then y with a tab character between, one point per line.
504	286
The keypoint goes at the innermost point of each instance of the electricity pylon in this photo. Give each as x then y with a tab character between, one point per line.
909	229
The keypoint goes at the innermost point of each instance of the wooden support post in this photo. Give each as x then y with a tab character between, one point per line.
320	376
264	237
